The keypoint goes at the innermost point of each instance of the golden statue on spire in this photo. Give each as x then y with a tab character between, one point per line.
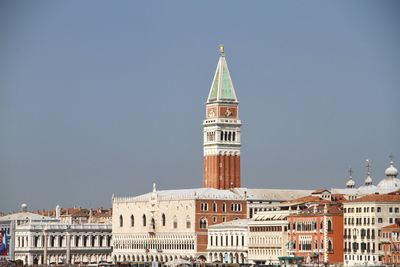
221	49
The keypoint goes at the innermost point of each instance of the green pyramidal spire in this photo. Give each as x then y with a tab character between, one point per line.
222	87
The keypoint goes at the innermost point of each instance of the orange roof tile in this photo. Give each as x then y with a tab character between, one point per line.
378	198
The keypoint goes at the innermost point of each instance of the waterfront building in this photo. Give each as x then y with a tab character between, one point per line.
9	222
268	236
227	242
170	224
390	243
59	243
38	239
364	219
316	232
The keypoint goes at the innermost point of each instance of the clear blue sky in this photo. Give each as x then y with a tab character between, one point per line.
103	97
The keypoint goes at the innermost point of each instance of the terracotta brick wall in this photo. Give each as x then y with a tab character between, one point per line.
229	215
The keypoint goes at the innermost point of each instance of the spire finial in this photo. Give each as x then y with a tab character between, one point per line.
221	49
391	157
368	166
350	172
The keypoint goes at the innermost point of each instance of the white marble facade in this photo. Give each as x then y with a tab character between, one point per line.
59	243
227	242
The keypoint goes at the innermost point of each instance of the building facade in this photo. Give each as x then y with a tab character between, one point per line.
60	243
316	233
227	242
390	244
170	224
268	236
364	218
38	239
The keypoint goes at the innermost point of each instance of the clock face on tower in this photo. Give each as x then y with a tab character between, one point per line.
211	113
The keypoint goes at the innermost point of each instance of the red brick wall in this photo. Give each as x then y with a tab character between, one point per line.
228	167
228	215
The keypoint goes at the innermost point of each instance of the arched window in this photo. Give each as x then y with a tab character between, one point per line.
330	247
203	223
153	224
144	220
214	207
188	223
175	222
121	221
222	136
163	219
223	207
226	136
233	136
329	226
132	221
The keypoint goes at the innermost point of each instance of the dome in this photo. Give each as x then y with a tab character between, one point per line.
391	171
367	189
389	184
24	207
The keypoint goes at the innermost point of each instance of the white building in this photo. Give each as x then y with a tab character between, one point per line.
59	243
8	223
38	239
268	236
227	242
365	216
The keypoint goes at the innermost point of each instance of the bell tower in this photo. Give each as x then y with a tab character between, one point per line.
221	128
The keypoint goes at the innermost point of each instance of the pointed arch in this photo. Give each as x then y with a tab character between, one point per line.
163	219
188	222
144	219
121	221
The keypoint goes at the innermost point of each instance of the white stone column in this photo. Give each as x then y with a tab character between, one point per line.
68	247
45	262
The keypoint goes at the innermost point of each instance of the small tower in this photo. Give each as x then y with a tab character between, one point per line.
221	128
368	179
350	183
